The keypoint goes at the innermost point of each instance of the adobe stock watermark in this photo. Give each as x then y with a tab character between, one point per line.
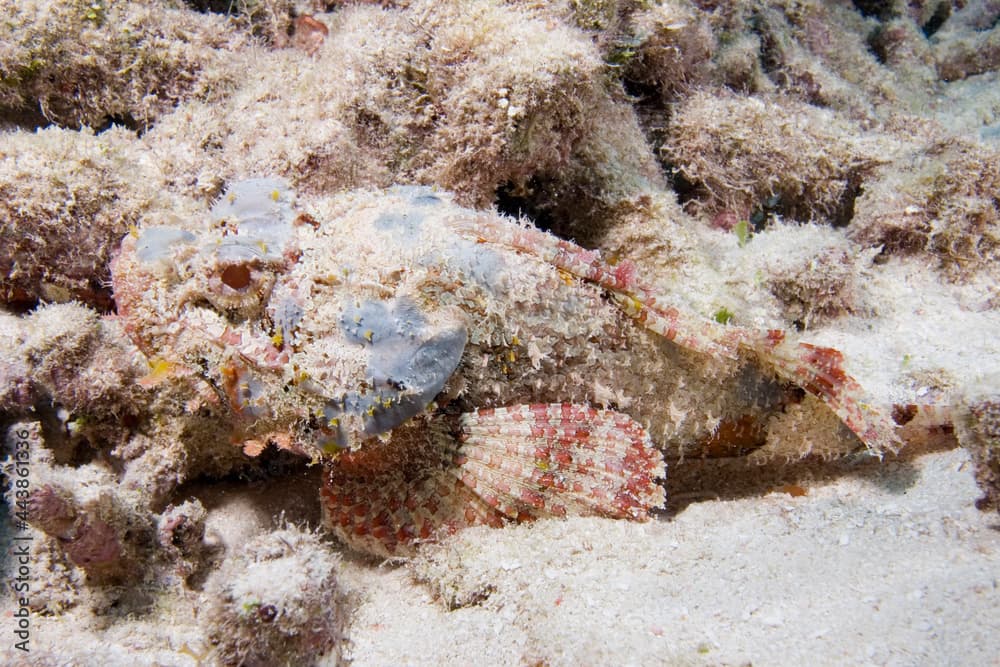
22	439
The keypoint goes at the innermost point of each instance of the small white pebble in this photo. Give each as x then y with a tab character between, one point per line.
773	619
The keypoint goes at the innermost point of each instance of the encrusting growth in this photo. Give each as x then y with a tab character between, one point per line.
276	602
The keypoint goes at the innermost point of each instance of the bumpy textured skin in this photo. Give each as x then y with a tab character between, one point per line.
443	361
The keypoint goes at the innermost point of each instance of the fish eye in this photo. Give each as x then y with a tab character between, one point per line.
236	276
241	287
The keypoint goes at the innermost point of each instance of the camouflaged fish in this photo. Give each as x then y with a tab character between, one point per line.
453	367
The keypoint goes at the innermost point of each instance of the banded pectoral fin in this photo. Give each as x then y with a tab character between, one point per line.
518	463
531	461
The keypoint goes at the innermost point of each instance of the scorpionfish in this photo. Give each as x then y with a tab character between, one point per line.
452	367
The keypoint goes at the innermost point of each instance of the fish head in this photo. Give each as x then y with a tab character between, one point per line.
280	319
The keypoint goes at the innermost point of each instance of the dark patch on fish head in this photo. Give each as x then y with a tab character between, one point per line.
379	323
409	363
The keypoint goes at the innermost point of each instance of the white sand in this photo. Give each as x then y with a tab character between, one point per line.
890	567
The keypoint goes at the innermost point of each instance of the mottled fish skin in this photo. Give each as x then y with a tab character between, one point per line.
341	332
407	341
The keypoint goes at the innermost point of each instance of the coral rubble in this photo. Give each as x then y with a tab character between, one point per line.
276	602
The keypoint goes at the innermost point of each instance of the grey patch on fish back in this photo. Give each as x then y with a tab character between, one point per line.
155	243
408	364
420	367
472	261
409	318
427	200
407	383
406	223
404	355
363	323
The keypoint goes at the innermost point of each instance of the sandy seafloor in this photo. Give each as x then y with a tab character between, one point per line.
885	565
881	567
852	562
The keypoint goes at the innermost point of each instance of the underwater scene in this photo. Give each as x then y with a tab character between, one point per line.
499	332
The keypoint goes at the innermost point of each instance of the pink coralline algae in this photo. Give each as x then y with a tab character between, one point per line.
89	540
450	367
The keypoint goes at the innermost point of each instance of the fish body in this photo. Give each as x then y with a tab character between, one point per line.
453	367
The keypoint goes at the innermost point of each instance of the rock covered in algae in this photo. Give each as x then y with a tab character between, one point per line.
979	432
100	527
93	62
66	199
748	155
500	98
940	203
276	602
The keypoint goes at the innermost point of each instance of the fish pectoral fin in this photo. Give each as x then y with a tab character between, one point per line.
559	459
517	463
